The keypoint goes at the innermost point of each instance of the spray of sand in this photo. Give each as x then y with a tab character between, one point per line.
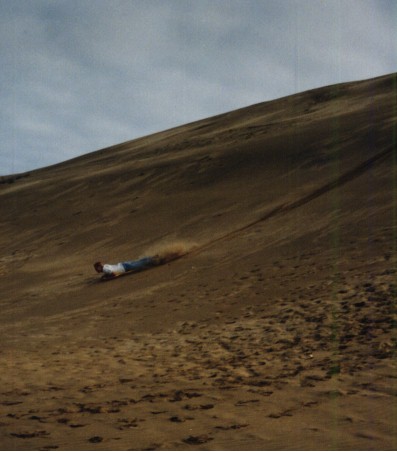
171	249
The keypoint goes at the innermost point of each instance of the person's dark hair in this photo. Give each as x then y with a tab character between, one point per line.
98	264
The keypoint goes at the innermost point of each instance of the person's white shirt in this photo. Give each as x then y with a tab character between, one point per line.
109	269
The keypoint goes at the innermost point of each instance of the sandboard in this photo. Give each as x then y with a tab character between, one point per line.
106	277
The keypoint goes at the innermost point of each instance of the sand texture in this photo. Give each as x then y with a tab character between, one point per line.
275	329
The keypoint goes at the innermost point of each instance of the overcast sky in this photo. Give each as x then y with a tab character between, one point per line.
80	75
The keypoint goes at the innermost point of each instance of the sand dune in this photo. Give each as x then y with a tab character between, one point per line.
275	328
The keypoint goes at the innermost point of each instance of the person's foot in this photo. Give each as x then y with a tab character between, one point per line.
170	257
157	260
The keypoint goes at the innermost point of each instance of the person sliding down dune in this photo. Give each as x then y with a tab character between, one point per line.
113	270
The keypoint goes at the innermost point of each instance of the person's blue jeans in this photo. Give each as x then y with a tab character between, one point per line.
140	264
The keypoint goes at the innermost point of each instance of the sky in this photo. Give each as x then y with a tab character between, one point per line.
80	75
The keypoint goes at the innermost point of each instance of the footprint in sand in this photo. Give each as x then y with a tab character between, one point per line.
129	423
189	407
179	419
246	402
196	440
26	435
278	415
231	427
95	439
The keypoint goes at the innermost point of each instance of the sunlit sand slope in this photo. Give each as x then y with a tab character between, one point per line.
276	327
